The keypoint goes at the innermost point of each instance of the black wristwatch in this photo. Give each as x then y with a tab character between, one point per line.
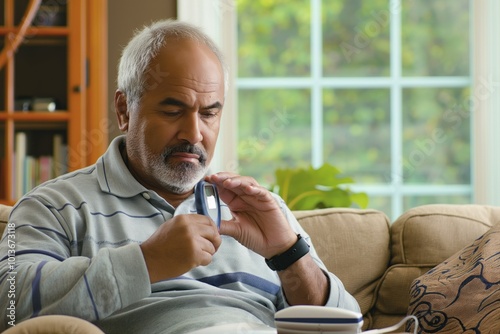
289	257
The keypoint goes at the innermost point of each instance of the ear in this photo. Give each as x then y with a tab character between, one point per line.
121	110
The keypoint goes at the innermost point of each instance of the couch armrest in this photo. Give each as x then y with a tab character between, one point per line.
4	215
50	324
54	324
354	244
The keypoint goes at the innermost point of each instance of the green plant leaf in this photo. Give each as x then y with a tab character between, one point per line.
309	188
306	200
335	198
361	199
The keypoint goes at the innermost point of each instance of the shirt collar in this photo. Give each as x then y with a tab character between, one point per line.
113	174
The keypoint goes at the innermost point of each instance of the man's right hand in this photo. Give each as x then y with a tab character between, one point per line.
180	244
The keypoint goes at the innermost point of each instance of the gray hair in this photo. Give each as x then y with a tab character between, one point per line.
145	46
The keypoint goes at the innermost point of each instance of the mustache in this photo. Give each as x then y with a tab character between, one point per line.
186	148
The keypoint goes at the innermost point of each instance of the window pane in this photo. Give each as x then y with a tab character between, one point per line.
274	131
436	144
273	38
435	38
356	38
414	201
381	203
357	133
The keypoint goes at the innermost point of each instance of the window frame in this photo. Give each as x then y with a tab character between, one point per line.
485	76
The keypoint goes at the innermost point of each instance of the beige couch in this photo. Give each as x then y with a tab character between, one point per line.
377	260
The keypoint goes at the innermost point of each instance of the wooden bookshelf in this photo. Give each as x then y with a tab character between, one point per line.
54	86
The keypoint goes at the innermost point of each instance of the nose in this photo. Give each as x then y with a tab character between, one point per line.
190	130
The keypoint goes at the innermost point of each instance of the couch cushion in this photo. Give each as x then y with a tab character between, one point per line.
430	234
392	291
392	294
353	244
4	216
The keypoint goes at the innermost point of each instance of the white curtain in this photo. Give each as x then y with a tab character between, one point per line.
485	101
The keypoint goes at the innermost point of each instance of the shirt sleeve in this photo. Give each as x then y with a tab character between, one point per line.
40	273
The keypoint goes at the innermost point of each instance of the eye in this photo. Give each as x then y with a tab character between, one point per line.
210	113
171	113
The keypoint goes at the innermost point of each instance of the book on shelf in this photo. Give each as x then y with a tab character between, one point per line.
32	170
60	155
20	157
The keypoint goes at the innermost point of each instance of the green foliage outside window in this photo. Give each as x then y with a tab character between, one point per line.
275	124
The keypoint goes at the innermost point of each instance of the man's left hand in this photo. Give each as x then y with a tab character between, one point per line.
258	222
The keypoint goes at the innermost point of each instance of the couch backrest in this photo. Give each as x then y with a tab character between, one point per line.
430	234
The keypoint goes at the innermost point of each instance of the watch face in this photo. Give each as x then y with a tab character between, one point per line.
210	198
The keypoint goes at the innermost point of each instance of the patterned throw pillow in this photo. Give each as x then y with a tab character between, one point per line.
462	294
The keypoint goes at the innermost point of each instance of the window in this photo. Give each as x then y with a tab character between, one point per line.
385	90
362	85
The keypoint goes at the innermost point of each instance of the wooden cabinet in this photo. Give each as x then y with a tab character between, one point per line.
53	91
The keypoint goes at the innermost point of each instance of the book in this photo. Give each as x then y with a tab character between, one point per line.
45	169
60	156
19	167
34	163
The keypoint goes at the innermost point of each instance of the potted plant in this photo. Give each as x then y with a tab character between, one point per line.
310	188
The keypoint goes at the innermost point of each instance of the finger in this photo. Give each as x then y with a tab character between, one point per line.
205	259
207	246
243	182
230	228
198	225
210	232
231	180
220	176
256	196
258	191
241	186
208	227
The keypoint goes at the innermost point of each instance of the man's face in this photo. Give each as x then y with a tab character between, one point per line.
171	136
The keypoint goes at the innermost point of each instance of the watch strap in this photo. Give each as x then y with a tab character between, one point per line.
284	260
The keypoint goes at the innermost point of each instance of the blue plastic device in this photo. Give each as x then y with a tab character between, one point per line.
207	201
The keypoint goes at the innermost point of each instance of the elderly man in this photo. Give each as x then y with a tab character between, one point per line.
120	244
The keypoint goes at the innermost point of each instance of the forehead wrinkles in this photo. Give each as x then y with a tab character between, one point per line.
189	90
189	59
195	84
